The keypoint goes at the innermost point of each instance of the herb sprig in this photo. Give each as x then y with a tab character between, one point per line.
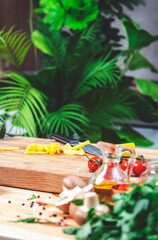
135	216
32	197
34	220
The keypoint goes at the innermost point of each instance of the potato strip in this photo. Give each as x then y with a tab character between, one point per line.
9	148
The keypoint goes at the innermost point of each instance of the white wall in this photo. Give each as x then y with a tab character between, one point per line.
147	18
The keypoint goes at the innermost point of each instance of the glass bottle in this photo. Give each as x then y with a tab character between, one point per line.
152	170
108	175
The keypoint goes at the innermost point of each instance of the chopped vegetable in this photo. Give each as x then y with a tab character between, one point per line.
66	146
73	152
80	145
33	152
43	149
128	146
132	145
54	148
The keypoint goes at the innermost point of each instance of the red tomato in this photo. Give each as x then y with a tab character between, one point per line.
139	165
94	163
124	164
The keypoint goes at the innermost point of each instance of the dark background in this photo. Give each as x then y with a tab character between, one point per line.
17	12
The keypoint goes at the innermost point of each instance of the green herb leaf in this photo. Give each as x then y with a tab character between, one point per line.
29	220
135	216
84	232
33	197
91	213
71	230
140	206
34	220
78	202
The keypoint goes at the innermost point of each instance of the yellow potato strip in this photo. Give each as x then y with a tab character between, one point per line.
9	148
54	148
34	152
73	152
80	145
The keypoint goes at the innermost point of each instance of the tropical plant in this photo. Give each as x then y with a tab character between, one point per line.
13	46
82	86
2	127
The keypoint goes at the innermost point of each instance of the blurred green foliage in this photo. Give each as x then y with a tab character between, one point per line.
82	86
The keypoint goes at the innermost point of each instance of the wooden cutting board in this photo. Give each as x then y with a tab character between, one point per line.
37	172
14	205
43	172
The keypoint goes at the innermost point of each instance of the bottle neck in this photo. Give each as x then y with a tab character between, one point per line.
112	158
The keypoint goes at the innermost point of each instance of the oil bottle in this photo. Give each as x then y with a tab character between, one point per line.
108	175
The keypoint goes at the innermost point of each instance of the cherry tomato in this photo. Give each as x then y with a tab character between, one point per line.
124	164
94	163
139	165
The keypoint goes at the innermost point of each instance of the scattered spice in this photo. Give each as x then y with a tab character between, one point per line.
54	215
40	213
32	203
64	217
61	223
23	204
9	201
41	203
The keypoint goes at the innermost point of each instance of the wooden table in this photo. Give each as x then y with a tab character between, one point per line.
39	173
14	206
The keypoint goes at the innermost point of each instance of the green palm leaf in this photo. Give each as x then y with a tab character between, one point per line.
97	74
82	45
23	103
109	107
89	34
49	43
13	46
68	118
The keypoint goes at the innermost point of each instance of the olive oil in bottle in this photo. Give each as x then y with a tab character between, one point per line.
109	174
